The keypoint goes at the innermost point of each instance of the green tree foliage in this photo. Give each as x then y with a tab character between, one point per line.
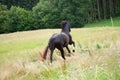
46	15
103	9
27	4
15	19
49	13
21	19
4	19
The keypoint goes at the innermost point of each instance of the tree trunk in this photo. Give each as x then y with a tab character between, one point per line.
98	9
104	8
111	7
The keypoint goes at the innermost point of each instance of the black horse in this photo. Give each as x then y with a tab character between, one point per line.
59	41
66	28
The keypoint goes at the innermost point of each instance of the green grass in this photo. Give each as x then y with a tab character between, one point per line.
105	23
21	41
97	55
17	46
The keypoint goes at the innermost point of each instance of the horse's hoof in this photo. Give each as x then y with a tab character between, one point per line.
73	50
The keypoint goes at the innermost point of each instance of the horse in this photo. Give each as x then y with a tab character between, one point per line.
59	41
66	28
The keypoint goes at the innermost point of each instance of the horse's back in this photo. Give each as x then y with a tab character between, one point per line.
59	39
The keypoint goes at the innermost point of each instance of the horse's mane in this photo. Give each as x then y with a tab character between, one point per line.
63	23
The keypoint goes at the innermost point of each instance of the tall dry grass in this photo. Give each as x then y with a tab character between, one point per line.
97	56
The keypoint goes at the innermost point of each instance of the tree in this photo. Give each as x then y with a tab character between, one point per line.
21	19
104	8
27	4
4	19
49	13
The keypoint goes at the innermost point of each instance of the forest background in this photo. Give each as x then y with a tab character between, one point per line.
22	15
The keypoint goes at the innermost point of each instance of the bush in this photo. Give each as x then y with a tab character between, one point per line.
49	13
21	19
46	14
4	19
15	19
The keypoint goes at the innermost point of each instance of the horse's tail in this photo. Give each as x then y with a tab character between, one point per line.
44	54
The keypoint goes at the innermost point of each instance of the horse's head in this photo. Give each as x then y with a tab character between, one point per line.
63	23
66	25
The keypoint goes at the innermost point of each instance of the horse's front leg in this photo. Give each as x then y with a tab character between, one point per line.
68	49
73	46
62	52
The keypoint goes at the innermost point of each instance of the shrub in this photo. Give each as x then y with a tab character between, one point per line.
4	19
49	13
21	19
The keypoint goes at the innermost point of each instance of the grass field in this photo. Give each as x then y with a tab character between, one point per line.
97	55
105	23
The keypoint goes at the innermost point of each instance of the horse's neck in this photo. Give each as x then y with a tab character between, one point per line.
67	33
65	30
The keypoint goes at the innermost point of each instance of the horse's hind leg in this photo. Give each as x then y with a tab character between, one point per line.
51	54
62	52
63	56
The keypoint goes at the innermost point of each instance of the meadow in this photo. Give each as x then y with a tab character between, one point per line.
97	55
106	22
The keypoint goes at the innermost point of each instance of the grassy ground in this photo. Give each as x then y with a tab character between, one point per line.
105	23
97	56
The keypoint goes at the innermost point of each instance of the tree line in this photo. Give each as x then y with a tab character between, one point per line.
19	15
